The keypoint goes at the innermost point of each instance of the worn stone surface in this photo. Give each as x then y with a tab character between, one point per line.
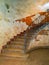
37	57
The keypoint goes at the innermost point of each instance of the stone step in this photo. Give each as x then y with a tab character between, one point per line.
5	58
6	50
19	39
14	46
16	43
14	54
28	36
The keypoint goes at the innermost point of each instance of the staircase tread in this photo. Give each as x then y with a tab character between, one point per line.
14	46
4	57
12	50
16	43
15	54
22	37
19	39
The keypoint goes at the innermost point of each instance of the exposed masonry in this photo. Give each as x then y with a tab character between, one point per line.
38	18
41	40
35	17
46	28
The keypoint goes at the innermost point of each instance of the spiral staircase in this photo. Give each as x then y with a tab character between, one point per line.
17	47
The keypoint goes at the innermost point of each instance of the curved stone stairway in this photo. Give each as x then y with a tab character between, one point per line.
16	49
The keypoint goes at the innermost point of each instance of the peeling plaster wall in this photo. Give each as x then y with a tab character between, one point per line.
25	7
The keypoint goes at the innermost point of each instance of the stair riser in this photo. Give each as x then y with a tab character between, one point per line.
16	55
12	51
15	46
16	43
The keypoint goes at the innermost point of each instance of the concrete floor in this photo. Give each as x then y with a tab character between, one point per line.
36	57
